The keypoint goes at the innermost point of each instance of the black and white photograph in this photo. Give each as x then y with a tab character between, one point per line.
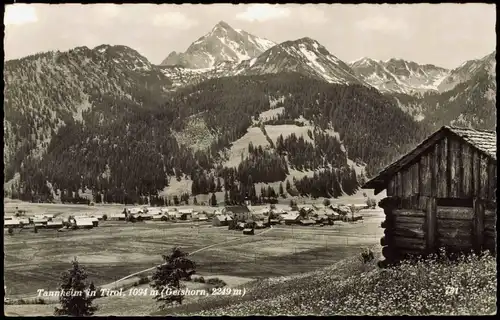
249	159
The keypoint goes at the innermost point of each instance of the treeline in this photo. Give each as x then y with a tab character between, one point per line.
328	184
324	150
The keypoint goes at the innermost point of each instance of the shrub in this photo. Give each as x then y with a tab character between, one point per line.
216	282
105	217
371	203
143	280
367	256
201	280
326	202
11	231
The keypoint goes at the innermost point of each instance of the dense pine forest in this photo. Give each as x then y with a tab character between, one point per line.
125	147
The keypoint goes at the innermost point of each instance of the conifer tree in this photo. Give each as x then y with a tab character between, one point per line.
77	300
167	277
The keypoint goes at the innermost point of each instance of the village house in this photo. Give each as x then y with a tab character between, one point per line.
11	223
83	223
37	220
201	217
186	213
239	213
99	216
292	217
117	216
440	194
160	217
54	224
221	220
307	222
258	217
260	225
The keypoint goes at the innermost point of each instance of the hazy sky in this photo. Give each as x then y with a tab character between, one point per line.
442	34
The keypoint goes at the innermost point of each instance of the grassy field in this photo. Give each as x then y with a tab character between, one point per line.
354	287
239	147
116	249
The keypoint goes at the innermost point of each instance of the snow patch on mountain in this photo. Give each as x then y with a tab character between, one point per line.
397	75
222	43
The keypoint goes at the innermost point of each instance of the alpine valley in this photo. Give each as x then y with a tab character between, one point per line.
235	115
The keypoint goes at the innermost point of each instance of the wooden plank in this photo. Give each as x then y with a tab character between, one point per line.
401	231
453	167
463	224
454	233
451	173
491	226
456	243
442	181
434	168
426	176
422	202
421	175
489	213
399	185
431	225
455	213
478	225
403	220
492	180
466	176
390	187
403	226
410	243
490	234
414	179
475	173
483	182
407	183
409	213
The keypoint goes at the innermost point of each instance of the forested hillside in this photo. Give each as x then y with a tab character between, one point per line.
470	104
46	91
124	149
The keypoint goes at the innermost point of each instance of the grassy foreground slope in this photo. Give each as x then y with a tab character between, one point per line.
351	287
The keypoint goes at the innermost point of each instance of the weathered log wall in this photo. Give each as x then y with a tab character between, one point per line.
450	169
426	227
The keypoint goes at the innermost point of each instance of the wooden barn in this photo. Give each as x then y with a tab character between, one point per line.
441	194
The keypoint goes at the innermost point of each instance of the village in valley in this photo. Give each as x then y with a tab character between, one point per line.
246	176
244	217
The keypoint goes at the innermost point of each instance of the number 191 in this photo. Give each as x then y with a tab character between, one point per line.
451	291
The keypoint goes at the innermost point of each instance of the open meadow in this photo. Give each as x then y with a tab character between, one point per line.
117	249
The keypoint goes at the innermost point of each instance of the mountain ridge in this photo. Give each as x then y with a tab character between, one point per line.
222	43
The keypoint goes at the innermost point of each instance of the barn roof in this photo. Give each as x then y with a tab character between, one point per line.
484	141
307	221
223	217
290	216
